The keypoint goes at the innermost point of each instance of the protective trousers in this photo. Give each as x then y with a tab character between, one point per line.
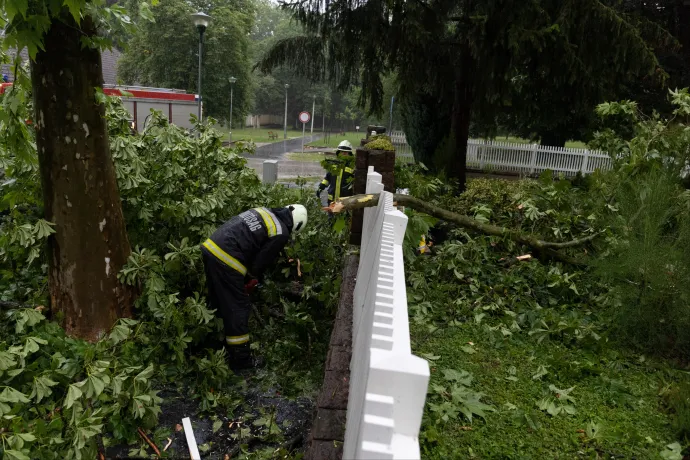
227	296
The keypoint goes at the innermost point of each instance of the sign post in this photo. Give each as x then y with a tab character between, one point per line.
304	117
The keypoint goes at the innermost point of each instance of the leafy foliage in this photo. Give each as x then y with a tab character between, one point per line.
164	53
58	395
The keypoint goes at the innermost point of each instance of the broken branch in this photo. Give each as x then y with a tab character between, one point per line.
149	442
548	249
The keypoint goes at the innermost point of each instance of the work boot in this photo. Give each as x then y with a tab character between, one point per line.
241	358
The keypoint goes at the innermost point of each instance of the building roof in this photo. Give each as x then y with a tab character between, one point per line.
109	60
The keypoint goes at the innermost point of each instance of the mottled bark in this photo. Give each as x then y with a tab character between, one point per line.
80	190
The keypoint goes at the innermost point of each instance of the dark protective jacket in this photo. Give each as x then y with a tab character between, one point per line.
343	181
252	241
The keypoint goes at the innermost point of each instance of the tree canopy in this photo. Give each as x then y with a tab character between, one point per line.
165	53
466	52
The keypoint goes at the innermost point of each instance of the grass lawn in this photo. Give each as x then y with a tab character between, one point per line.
336	139
308	157
519	140
259	136
507	372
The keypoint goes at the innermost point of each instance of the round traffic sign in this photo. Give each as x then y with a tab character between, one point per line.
304	117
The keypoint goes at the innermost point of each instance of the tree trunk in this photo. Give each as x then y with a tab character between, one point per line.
553	139
460	122
684	26
80	190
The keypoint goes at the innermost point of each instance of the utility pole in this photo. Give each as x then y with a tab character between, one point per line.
285	123
232	87
313	112
201	21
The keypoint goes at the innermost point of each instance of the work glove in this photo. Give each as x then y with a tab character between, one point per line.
250	286
318	193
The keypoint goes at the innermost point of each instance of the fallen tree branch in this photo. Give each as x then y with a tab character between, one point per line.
149	442
547	249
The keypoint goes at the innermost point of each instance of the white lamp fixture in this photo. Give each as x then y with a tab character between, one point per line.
201	20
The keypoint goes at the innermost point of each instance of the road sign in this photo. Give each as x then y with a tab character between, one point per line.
304	117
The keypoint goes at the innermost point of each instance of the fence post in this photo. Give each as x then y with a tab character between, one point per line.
480	155
533	158
585	161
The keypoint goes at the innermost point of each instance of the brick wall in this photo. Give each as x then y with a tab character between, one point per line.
383	163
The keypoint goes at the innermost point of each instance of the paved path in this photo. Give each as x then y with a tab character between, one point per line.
286	167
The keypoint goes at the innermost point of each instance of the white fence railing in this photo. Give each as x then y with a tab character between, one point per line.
388	384
524	159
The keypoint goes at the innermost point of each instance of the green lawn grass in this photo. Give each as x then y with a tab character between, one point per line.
519	140
308	157
259	136
336	139
504	371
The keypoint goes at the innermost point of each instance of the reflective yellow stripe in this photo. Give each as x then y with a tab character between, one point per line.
268	221
337	185
324	182
237	339
330	197
348	170
224	257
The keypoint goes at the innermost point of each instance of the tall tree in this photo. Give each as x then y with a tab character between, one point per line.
165	53
80	192
464	51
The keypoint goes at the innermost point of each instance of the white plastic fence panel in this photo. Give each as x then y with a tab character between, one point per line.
388	384
524	159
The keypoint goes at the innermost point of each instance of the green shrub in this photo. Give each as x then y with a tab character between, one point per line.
59	394
677	401
380	144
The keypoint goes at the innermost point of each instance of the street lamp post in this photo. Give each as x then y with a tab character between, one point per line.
285	129
232	87
201	21
313	112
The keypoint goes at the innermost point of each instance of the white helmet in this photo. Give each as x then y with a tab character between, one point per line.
299	217
345	146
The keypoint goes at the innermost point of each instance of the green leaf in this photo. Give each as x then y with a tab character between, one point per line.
15	455
41	388
16	7
541	372
119	333
672	452
10	395
144	375
7	360
462	377
32	344
43	228
430	356
216	425
339	224
468	349
94	386
73	393
75	8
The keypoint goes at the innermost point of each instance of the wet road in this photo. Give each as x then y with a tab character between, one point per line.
286	167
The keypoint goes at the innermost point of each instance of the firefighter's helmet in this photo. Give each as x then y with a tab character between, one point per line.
344	147
299	217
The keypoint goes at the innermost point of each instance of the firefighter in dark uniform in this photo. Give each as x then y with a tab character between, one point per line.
339	184
235	258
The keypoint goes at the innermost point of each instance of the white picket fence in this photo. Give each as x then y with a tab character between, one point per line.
523	159
388	384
